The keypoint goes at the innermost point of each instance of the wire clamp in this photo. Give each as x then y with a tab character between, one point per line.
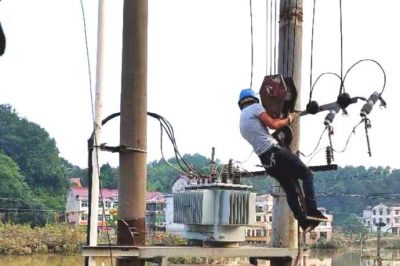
120	148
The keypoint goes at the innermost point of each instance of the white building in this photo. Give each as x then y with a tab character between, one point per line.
261	231
77	207
382	214
322	231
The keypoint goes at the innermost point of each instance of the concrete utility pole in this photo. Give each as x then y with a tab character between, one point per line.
133	129
289	65
95	187
378	243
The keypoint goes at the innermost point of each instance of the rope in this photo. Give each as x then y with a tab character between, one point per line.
252	45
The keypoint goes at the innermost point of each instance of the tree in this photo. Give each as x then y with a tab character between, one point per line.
15	194
34	151
108	176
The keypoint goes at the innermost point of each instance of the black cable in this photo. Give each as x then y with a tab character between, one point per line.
88	58
271	55
351	134
316	147
341	48
320	76
368	60
252	45
312	52
169	130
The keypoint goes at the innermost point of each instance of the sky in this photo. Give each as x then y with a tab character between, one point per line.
199	58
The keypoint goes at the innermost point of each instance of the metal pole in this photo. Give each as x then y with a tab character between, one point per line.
289	65
378	248
95	183
133	129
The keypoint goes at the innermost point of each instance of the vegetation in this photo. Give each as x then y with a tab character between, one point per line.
24	240
35	177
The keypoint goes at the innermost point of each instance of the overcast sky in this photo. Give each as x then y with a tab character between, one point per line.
199	56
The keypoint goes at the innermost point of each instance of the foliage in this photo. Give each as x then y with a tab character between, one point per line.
34	151
161	176
165	239
36	156
34	176
394	245
24	240
326	244
349	190
109	176
15	194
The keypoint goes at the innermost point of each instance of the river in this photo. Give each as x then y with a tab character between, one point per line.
314	258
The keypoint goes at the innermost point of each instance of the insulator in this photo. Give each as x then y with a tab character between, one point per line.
329	155
224	175
236	176
230	169
214	178
367	107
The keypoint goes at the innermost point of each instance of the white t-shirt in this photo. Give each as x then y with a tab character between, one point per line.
253	130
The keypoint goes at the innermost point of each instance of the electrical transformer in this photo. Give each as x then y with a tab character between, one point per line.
215	212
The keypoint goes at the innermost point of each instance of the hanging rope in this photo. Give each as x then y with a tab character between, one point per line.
276	37
252	46
295	16
312	52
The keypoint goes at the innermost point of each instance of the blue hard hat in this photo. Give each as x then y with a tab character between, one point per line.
247	93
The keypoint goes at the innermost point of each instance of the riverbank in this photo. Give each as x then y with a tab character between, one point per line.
64	240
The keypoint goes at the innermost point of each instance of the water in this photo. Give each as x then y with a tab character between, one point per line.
314	258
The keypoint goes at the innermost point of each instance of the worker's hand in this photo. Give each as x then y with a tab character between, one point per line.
293	117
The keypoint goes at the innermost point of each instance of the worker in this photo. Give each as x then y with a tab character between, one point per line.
280	163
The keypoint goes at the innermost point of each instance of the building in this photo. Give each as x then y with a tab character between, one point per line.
77	208
155	212
75	182
261	231
386	215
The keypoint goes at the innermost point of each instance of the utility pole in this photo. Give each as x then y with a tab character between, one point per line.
289	65
95	183
133	129
378	243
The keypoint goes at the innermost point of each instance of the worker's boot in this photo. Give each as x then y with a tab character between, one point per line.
317	215
308	225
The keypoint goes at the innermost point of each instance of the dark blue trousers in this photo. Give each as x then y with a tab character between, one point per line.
286	167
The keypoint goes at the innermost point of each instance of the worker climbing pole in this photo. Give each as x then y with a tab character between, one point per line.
289	65
280	95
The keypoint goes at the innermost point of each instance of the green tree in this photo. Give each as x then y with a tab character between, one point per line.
33	150
16	195
108	176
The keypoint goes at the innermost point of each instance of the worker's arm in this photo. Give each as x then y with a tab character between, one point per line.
272	123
